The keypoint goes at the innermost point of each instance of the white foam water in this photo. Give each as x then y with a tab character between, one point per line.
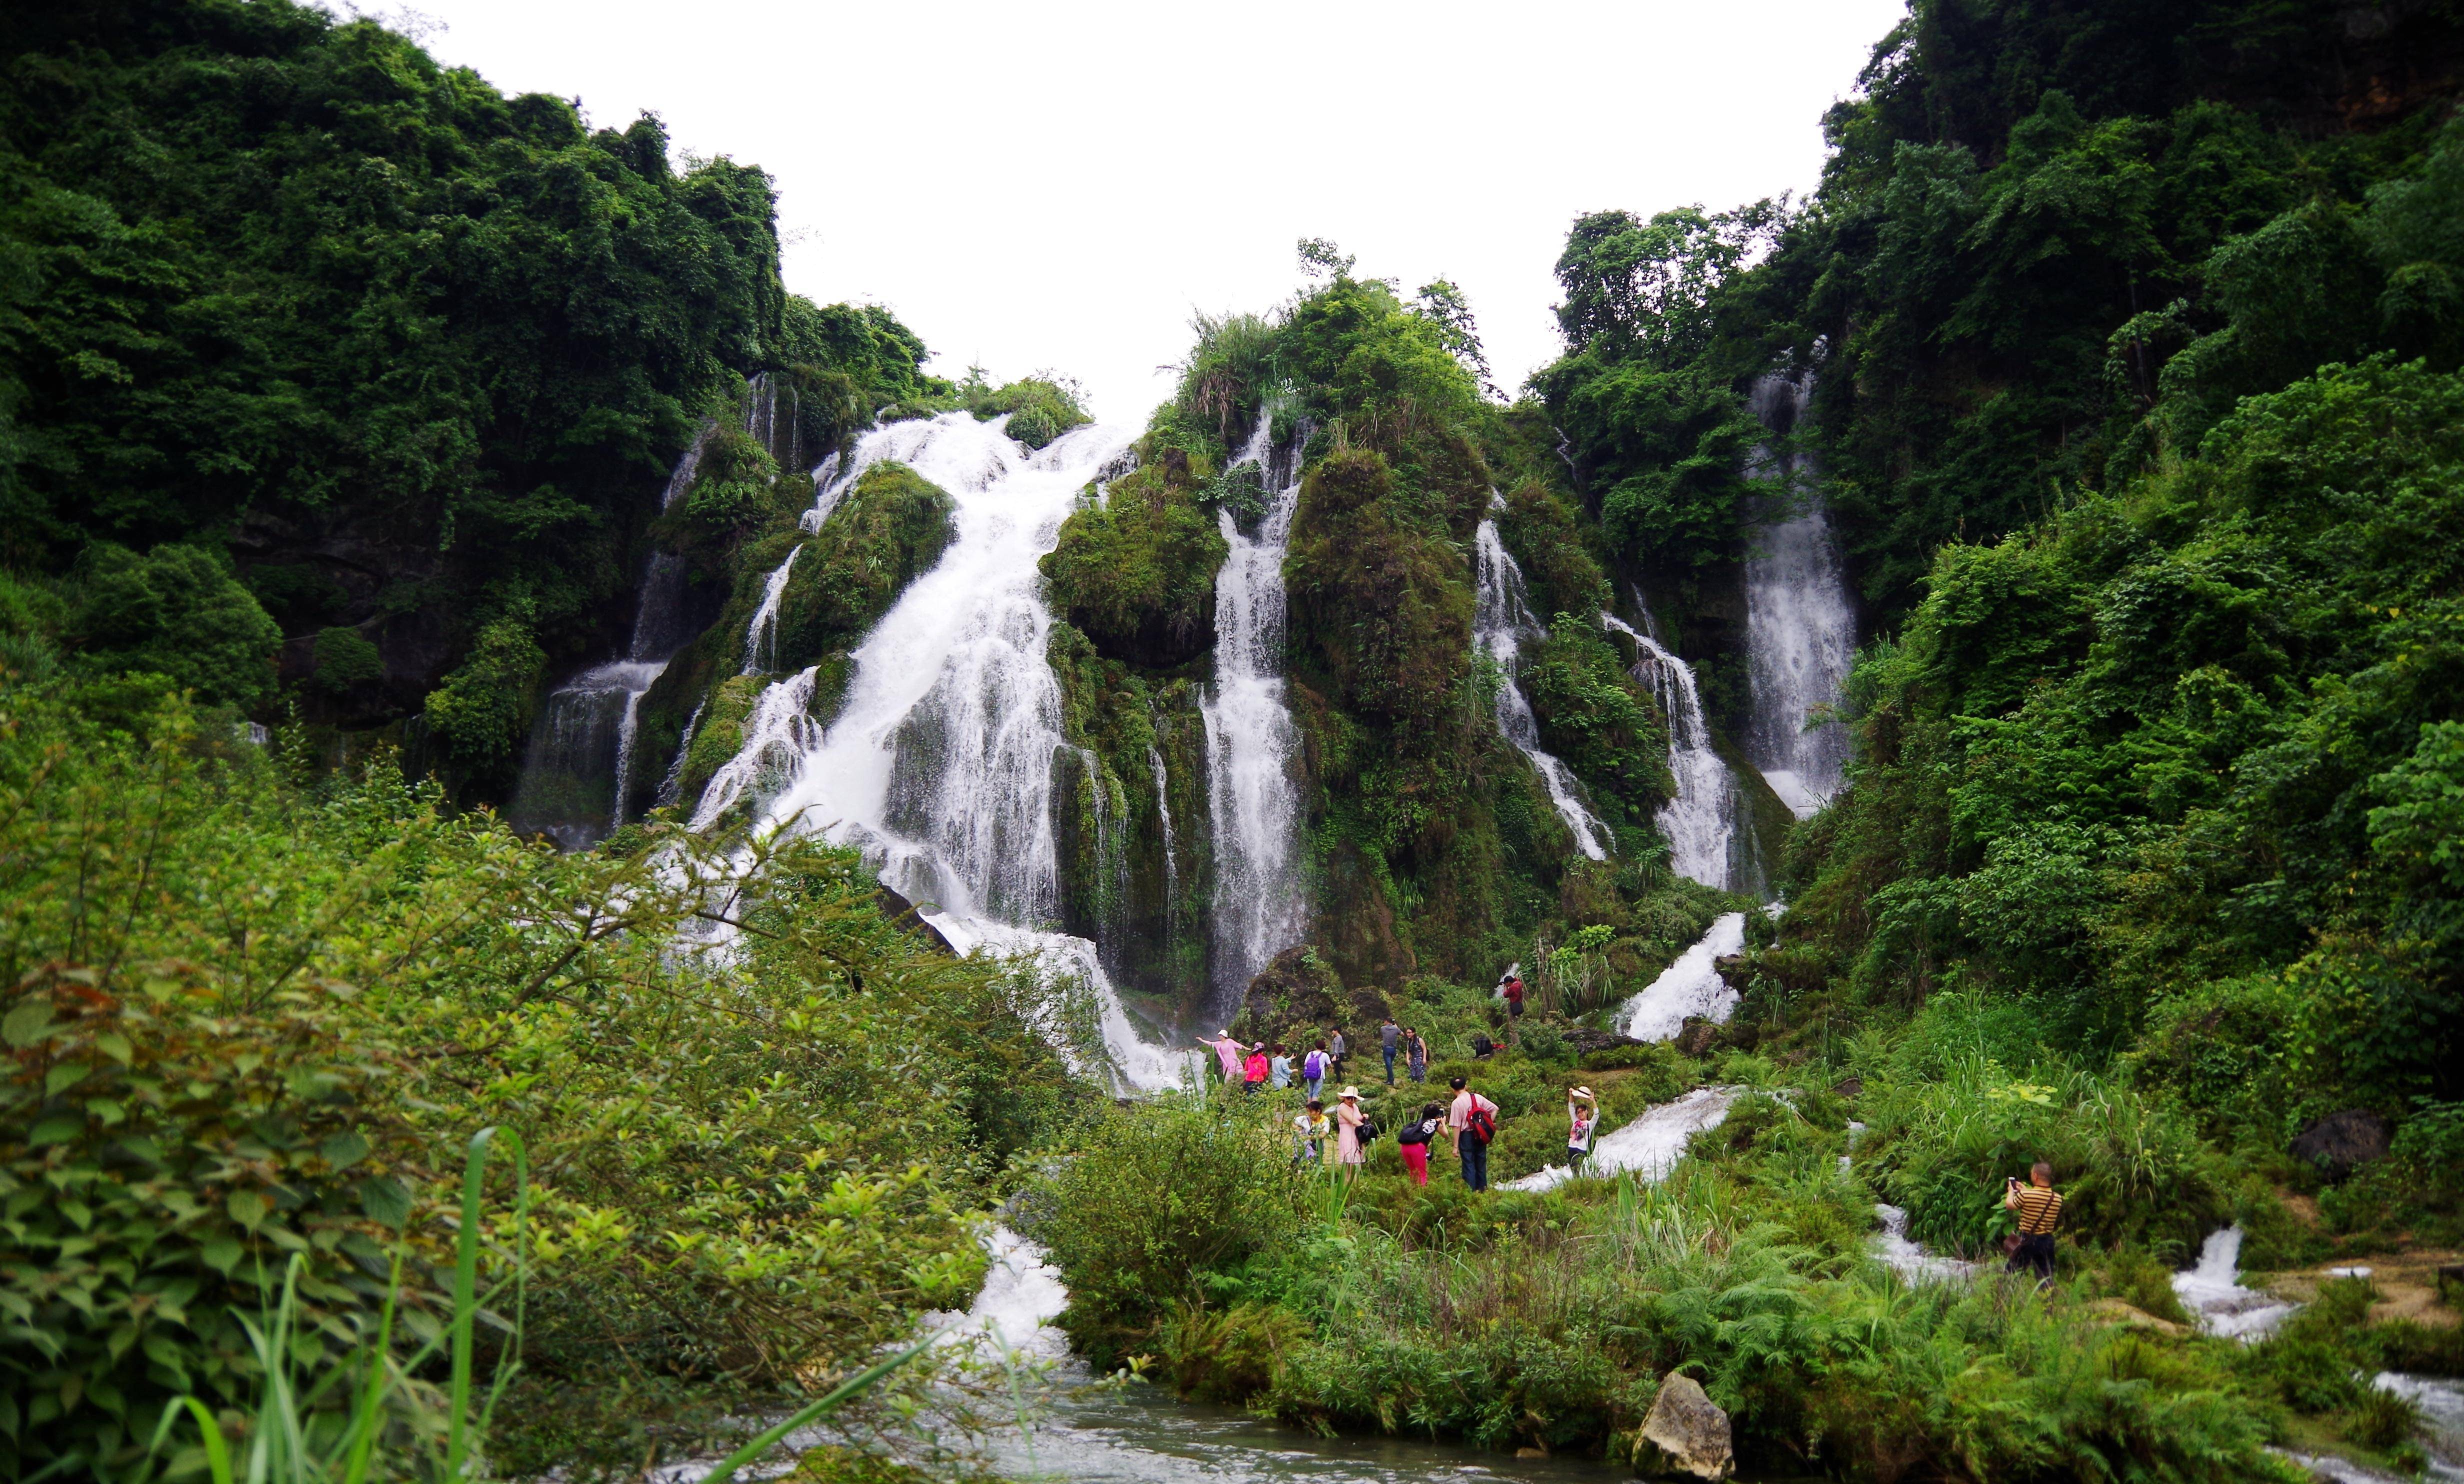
2441	1401
1700	821
1650	1146
939	762
761	635
1689	987
1251	743
1909	1259
1501	621
1800	630
2214	1293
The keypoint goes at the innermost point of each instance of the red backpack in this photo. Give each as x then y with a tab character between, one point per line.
1481	1122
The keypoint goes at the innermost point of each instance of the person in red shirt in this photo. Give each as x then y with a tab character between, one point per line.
1254	1071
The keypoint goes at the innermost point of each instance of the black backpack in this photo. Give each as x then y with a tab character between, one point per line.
1366	1131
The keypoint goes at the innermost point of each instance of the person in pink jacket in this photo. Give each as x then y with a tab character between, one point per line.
1348	1119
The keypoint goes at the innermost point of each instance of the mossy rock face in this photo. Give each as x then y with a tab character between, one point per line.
892	526
1135	574
1131	812
720	735
1382	603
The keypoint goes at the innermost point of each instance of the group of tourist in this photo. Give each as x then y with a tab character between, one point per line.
1338	1133
1262	1064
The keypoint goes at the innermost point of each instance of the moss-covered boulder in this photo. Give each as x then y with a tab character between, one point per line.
1135	572
889	528
1381	603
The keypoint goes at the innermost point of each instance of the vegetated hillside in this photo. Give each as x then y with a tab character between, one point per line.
330	375
1433	851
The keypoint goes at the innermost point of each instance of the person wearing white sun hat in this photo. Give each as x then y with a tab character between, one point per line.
1583	1121
1348	1119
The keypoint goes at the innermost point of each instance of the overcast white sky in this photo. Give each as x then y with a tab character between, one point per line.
1062	184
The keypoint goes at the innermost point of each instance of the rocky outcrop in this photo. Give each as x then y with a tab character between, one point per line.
2343	1142
1686	1435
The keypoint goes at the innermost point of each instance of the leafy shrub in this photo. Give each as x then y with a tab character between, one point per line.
731	487
346	660
166	1141
890	528
1154	1198
1040	408
178	612
1137	573
483	710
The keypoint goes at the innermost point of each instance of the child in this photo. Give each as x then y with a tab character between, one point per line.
1311	1126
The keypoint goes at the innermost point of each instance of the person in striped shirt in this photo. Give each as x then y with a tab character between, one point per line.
2040	1211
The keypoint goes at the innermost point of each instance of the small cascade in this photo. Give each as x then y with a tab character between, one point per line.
761	635
1171	862
1908	1259
576	773
1251	743
1701	822
1690	986
2441	1401
1502	620
1650	1147
1800	630
941	762
2214	1293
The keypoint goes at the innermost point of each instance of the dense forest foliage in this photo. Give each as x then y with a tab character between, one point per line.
323	363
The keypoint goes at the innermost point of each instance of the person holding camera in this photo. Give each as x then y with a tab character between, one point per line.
2040	1211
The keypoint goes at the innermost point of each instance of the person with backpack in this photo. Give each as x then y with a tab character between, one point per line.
1253	1069
1348	1121
1412	1140
1473	1120
1583	1121
1510	990
2039	1208
1417	1058
1390	1039
1314	1072
1311	1126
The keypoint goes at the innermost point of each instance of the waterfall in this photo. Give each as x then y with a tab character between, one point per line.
1163	816
761	635
1800	631
1251	743
2214	1293
583	743
1649	1146
1690	986
940	764
1501	621
1701	820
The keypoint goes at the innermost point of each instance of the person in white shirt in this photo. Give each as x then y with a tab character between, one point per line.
1582	1122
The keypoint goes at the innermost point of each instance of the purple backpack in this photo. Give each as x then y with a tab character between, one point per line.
1313	1067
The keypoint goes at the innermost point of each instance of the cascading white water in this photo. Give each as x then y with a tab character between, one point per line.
1502	620
584	740
1800	630
1701	820
1251	743
761	635
1907	1257
1691	985
2214	1293
1163	817
941	762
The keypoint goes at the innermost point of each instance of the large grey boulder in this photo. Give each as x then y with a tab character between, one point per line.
2343	1142
1686	1433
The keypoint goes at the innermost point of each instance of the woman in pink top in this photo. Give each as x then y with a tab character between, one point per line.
1228	1051
1348	1119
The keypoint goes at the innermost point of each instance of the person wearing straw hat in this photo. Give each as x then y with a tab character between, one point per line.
1582	1120
1348	1119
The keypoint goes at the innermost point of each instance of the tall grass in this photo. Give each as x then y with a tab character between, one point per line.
292	1435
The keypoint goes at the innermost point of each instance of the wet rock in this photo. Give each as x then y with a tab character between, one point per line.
1686	1435
2342	1142
1849	1087
902	912
1586	1039
1699	1035
2113	1311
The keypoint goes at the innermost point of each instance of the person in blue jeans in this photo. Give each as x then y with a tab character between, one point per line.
1471	1145
1390	1037
1313	1070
